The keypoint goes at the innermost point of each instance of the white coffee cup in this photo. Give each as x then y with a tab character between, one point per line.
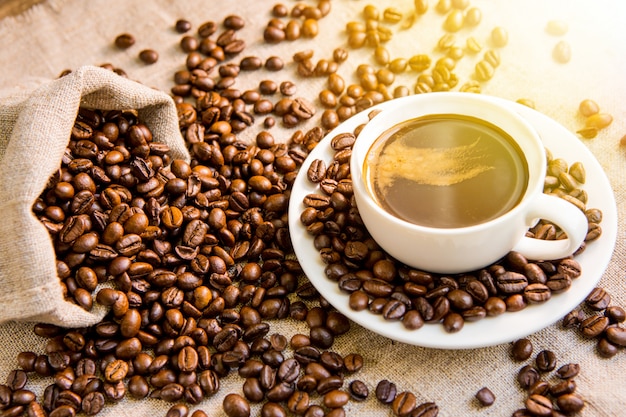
465	249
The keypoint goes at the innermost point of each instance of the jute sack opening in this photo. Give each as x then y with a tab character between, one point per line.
35	129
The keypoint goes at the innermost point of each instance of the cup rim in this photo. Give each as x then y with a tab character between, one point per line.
356	162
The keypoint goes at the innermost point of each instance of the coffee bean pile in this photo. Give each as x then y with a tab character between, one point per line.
601	321
299	22
546	396
376	282
210	76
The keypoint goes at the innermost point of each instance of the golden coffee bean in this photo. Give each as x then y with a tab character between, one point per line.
446	41
599	120
443	6
580	194
422	87
385	34
455	52
484	70
336	83
493	57
570	199
381	55
454	21
372	38
460	4
356	40
371	12
371	24
550	182
588	132
453	80
426	79
409	21
557	27
421	6
398	65
588	107
401	91
557	166
364	69
392	15
526	102
310	28
567	181
499	36
472	45
355	27
447	62
419	62
441	74
471	87
473	17
577	170
385	76
562	52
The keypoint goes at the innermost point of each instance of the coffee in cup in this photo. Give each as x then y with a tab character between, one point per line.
446	170
450	182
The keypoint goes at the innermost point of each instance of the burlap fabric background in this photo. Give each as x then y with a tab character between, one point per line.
68	33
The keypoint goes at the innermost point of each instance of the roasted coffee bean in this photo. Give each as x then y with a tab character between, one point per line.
93	403
593	326
527	376
538	405
569	370
358	390
460	299
573	318
252	390
537	293
615	314
116	371
616	335
570	403
521	349
124	41
453	322
559	283
485	396
386	391
569	267
16	380
598	299
545	361
427	409
511	282
235	405
404	403
563	387
149	56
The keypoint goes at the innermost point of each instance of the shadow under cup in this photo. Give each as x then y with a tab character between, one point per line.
460	173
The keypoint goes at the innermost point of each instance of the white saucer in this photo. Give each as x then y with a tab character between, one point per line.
491	330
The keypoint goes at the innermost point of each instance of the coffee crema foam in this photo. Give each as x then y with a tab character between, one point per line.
430	166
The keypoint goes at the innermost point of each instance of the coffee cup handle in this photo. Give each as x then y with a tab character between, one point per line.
566	216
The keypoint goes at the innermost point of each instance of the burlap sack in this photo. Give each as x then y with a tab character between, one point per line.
35	130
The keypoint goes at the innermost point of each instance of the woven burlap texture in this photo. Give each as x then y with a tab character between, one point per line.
36	128
55	36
